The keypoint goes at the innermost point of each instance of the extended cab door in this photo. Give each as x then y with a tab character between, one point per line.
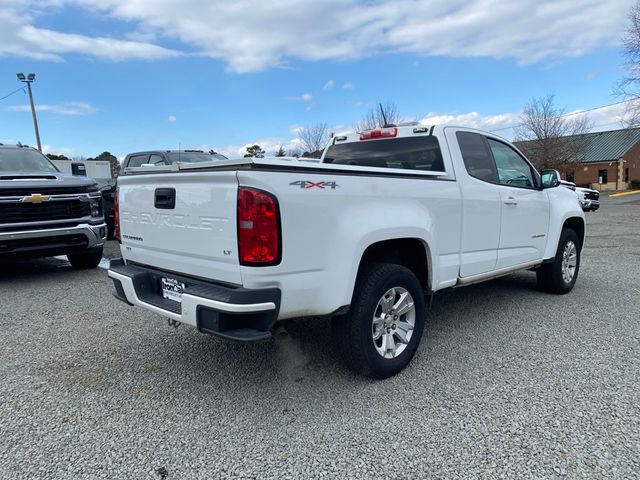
481	202
525	208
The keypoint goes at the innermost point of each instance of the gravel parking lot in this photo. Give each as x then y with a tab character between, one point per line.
508	383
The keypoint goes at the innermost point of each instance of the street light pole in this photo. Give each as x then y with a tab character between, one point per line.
28	79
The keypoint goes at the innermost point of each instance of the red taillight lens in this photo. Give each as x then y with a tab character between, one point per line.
258	228
116	215
379	133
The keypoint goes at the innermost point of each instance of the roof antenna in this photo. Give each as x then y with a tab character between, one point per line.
383	116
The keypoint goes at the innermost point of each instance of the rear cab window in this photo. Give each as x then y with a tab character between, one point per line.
194	157
420	153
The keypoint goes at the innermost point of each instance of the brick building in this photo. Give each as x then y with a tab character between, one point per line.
611	160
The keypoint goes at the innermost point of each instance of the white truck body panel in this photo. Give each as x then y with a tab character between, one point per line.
192	238
471	230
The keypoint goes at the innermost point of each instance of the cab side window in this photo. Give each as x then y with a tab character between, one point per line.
155	159
513	170
137	160
476	156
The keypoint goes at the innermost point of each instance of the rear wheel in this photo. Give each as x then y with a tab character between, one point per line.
560	275
85	260
381	333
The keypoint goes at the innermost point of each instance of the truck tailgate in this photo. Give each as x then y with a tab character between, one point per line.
182	222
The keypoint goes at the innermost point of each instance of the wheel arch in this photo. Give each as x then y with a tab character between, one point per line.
410	252
576	224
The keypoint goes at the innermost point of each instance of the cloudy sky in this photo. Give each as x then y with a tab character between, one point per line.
128	75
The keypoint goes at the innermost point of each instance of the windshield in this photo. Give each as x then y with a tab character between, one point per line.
411	153
193	157
24	160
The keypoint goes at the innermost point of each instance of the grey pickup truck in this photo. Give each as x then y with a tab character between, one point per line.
44	212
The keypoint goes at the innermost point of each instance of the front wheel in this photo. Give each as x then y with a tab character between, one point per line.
560	275
381	333
85	260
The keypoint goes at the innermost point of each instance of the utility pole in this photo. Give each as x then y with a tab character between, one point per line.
28	80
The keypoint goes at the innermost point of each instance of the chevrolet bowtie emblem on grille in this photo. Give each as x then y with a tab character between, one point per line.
36	198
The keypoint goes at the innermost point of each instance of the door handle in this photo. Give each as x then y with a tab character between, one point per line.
165	198
510	201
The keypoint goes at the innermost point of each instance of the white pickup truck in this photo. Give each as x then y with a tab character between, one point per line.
389	217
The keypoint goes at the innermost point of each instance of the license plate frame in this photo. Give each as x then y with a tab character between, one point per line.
172	289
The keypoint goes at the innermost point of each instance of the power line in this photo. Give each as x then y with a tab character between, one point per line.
15	91
579	112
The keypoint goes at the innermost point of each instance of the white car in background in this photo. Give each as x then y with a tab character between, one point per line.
588	197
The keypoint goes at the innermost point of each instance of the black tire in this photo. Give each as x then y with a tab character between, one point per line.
353	332
85	260
550	276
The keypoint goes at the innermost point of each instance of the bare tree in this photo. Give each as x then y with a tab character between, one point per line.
315	137
382	114
629	86
549	137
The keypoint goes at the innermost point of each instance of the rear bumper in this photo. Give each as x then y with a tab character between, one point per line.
52	241
235	314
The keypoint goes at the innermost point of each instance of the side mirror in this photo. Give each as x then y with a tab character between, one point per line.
550	178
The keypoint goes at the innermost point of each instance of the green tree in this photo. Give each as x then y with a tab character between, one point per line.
281	152
254	151
112	159
51	156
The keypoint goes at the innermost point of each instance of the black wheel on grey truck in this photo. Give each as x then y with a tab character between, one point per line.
560	275
85	260
381	333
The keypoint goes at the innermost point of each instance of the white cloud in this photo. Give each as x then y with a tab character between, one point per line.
607	118
72	108
305	97
329	84
171	119
233	32
592	75
348	86
19	37
270	145
473	120
295	129
68	151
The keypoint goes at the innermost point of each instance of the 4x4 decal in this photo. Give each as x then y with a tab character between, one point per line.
310	184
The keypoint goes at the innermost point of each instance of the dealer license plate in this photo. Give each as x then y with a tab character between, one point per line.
172	289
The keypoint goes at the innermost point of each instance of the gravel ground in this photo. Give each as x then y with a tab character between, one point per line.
508	383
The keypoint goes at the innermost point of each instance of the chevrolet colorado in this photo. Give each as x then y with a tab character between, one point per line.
44	212
389	217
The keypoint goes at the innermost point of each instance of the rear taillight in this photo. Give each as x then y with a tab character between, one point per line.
379	133
116	215
258	228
